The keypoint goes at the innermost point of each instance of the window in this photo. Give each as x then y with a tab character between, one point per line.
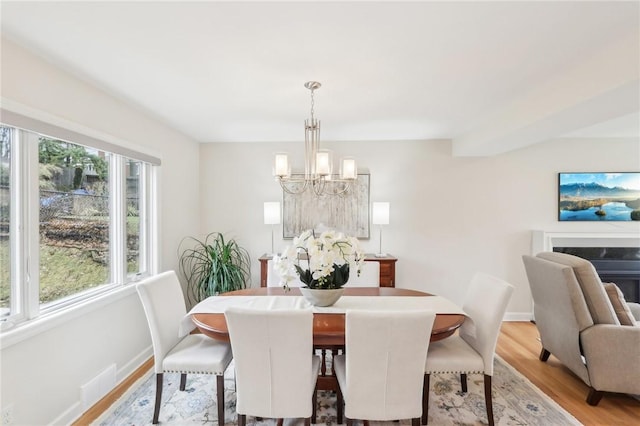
75	219
135	187
5	208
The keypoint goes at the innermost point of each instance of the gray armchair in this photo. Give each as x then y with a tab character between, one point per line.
579	325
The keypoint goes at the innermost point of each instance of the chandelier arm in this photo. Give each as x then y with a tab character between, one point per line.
285	188
343	191
324	187
318	186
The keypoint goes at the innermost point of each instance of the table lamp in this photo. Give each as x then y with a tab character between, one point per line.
272	217
380	216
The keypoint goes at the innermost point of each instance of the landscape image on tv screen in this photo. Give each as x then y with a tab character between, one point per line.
599	196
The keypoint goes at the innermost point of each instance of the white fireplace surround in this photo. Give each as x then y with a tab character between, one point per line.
547	240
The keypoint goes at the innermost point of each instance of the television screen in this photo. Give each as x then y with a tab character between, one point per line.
599	196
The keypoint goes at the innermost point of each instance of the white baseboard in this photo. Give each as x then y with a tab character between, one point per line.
518	316
130	367
69	415
72	413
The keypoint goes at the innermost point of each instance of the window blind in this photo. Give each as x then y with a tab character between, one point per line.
11	118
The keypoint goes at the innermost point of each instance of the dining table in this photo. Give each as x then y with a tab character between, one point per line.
328	322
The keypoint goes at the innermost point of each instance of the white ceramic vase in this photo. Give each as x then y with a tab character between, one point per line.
319	297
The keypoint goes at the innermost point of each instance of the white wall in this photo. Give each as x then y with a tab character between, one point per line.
450	216
42	375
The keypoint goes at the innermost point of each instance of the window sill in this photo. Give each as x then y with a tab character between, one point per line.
31	328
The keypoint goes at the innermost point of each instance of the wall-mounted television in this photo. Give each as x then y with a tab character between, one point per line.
599	196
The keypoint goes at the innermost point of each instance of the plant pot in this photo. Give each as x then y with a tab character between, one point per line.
318	297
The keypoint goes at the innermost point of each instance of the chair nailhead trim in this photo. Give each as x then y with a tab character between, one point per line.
193	372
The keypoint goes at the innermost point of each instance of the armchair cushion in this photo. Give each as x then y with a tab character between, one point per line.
619	304
599	305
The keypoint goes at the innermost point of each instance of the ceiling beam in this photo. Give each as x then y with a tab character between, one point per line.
604	86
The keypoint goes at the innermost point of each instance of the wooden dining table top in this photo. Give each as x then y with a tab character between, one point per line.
328	328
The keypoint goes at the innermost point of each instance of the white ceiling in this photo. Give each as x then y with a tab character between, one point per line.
491	76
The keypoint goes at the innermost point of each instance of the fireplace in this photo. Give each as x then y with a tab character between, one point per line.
616	256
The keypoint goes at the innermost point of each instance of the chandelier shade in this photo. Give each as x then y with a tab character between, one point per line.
318	163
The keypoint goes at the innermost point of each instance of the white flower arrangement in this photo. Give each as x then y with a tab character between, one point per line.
321	263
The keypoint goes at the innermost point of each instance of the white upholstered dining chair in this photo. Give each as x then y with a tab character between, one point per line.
276	372
274	279
381	374
163	303
472	350
369	276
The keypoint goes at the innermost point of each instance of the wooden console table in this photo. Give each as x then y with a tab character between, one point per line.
387	268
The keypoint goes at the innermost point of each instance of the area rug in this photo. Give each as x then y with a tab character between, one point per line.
516	401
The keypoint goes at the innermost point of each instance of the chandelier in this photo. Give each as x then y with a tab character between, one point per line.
318	165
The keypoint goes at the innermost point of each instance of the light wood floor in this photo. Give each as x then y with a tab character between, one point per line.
518	345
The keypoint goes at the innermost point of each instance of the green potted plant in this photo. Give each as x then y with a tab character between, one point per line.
213	266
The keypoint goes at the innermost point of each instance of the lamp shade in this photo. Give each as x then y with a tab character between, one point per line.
380	213
323	163
271	212
349	169
281	166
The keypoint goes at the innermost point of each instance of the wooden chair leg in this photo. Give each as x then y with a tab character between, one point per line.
183	381
594	397
349	422
242	420
314	404
279	422
487	399
463	382
544	355
415	422
425	399
220	397
156	410
340	405
307	422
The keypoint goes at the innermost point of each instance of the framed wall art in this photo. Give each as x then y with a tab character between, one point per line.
348	213
599	196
